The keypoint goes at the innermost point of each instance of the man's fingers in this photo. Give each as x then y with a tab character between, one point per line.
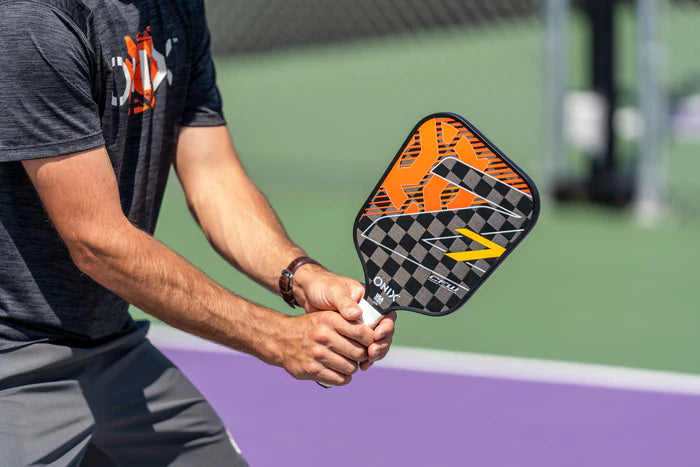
357	291
335	343
316	349
359	332
350	310
383	335
338	363
333	378
346	306
386	326
350	349
341	340
344	298
378	350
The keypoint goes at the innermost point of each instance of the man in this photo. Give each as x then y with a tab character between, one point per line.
100	98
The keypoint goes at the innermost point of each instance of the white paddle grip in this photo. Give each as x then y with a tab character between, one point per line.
370	316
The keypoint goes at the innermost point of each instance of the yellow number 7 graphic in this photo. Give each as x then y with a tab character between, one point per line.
492	250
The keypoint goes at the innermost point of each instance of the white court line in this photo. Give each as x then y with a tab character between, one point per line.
488	366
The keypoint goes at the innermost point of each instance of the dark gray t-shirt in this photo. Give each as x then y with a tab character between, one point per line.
77	75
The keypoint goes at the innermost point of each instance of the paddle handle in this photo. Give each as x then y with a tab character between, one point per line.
370	316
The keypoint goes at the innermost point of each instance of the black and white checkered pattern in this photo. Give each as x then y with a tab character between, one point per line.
405	254
485	186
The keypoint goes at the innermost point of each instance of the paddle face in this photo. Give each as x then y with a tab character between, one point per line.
446	213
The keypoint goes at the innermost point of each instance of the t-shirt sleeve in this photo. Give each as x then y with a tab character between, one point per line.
203	106
45	84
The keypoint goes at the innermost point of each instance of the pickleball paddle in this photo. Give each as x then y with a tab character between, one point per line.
446	213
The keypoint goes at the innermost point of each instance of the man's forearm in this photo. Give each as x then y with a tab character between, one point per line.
247	233
149	275
234	215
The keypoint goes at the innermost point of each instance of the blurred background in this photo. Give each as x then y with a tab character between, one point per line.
599	101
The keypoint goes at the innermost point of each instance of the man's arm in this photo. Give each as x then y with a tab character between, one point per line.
81	196
243	228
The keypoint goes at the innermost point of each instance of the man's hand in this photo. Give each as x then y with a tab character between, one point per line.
324	347
220	194
316	288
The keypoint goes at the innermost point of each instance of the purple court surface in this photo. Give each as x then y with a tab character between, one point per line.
401	417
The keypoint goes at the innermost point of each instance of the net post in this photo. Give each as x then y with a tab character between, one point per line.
651	174
601	15
556	79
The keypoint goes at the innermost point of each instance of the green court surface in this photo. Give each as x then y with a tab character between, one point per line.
316	128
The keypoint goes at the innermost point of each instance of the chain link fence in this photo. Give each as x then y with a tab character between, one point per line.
245	26
335	70
386	63
655	121
679	24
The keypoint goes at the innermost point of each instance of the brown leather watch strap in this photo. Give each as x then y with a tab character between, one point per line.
285	284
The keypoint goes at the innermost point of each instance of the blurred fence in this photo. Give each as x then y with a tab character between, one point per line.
680	32
244	26
654	117
378	66
485	59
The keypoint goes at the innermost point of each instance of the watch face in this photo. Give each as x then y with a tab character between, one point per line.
286	287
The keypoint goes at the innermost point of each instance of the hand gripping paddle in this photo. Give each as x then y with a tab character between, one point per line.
447	212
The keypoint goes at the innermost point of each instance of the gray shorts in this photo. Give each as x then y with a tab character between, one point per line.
122	403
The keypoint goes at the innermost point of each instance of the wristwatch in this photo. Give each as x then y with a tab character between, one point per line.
286	278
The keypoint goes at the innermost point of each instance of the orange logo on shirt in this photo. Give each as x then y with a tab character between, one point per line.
144	70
